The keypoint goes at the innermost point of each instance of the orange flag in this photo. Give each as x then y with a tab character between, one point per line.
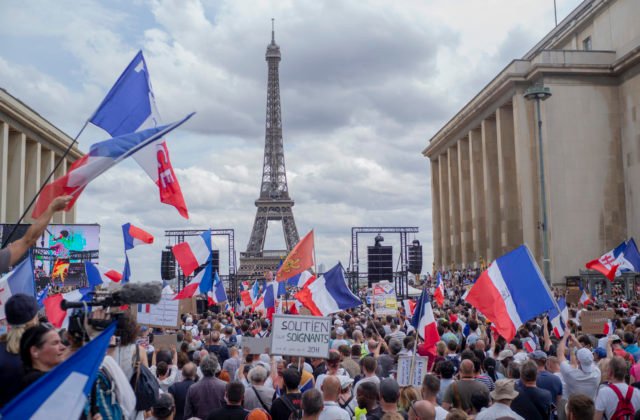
299	259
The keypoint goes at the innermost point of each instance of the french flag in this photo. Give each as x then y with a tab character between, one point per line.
101	157
201	283
299	280
424	322
49	396
130	106
409	306
328	293
559	317
528	344
511	291
585	299
246	299
19	280
218	294
58	317
97	276
438	294
194	252
609	328
606	264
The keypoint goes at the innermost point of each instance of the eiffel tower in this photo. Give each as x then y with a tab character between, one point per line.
274	203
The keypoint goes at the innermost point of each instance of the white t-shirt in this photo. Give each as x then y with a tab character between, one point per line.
607	400
441	413
580	382
332	411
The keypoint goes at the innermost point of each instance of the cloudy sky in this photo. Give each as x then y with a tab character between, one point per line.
364	85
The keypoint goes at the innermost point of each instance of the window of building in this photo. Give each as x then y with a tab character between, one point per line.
586	44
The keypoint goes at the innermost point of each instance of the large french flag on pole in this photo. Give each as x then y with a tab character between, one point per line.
19	280
328	293
194	252
511	291
62	393
101	157
299	280
424	321
130	106
133	236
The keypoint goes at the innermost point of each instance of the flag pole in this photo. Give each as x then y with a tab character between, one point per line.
315	260
6	240
415	343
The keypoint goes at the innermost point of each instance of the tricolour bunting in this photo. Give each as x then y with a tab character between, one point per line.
19	280
510	292
133	236
328	293
299	259
424	322
193	252
101	157
130	106
62	392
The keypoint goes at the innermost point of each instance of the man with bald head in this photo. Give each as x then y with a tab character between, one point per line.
422	410
458	394
330	394
179	389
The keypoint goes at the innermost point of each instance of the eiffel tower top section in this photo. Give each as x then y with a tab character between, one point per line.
274	175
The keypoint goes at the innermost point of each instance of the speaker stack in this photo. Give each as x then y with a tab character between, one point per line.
380	263
415	257
168	265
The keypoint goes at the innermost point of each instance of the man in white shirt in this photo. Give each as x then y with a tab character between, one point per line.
502	397
429	391
581	376
607	399
330	393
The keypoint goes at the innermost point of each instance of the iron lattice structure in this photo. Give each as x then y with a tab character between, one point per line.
274	203
399	275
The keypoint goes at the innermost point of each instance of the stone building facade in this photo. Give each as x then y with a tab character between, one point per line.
30	146
485	181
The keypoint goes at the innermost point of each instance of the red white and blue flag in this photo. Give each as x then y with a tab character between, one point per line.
438	293
607	264
101	157
585	299
510	292
299	280
97	276
424	322
194	252
609	328
19	280
218	294
328	293
130	106
559	317
409	307
133	236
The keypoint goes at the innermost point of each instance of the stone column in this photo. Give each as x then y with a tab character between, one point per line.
32	173
15	176
510	222
527	172
445	235
435	213
464	178
478	218
491	187
4	166
454	204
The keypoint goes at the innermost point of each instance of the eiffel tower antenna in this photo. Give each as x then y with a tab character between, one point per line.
274	203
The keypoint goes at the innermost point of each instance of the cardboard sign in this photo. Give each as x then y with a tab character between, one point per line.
592	322
256	345
298	335
404	370
165	314
165	341
573	296
384	298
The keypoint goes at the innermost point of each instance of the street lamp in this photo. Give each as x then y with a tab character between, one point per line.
540	93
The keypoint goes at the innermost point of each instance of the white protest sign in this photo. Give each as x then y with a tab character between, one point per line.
404	370
256	345
384	298
298	335
164	314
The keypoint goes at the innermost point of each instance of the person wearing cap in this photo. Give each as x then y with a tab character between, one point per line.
581	375
16	249
346	399
330	393
502	397
22	313
607	398
340	340
504	357
547	380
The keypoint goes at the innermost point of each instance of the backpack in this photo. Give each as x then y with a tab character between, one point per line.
625	409
103	397
144	384
296	413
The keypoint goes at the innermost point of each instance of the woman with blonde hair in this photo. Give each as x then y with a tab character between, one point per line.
21	312
408	395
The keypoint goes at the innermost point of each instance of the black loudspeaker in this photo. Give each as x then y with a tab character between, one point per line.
415	257
168	265
215	261
201	306
380	263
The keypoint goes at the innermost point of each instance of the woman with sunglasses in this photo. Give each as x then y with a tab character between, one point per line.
41	349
